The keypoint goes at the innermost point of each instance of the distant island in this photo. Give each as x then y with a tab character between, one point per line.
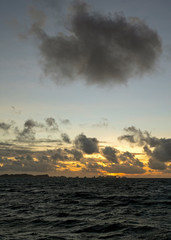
24	176
47	176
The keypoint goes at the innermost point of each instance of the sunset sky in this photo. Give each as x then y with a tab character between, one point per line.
85	87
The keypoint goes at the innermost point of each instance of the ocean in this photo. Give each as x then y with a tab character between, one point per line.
45	208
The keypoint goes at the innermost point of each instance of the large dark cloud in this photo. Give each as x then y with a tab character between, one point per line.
87	145
158	149
101	49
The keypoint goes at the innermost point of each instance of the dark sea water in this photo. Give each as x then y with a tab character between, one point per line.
59	208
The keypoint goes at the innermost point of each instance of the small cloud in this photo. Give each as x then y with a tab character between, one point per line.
15	110
4	126
110	154
52	124
28	133
65	138
65	121
87	145
103	123
76	154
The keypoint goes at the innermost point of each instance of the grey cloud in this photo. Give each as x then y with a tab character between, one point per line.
59	155
38	16
15	110
54	5
122	162
39	19
162	151
101	49
160	154
4	126
126	163
147	150
5	144
28	133
158	149
76	154
30	124
115	156
110	154
12	152
130	158
30	129
65	121
87	145
138	137
42	12
102	123
125	168
51	123
65	138
92	167
156	164
27	164
49	161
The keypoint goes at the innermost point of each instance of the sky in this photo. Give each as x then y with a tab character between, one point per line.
85	87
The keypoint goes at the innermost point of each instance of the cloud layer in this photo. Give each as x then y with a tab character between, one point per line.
83	154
